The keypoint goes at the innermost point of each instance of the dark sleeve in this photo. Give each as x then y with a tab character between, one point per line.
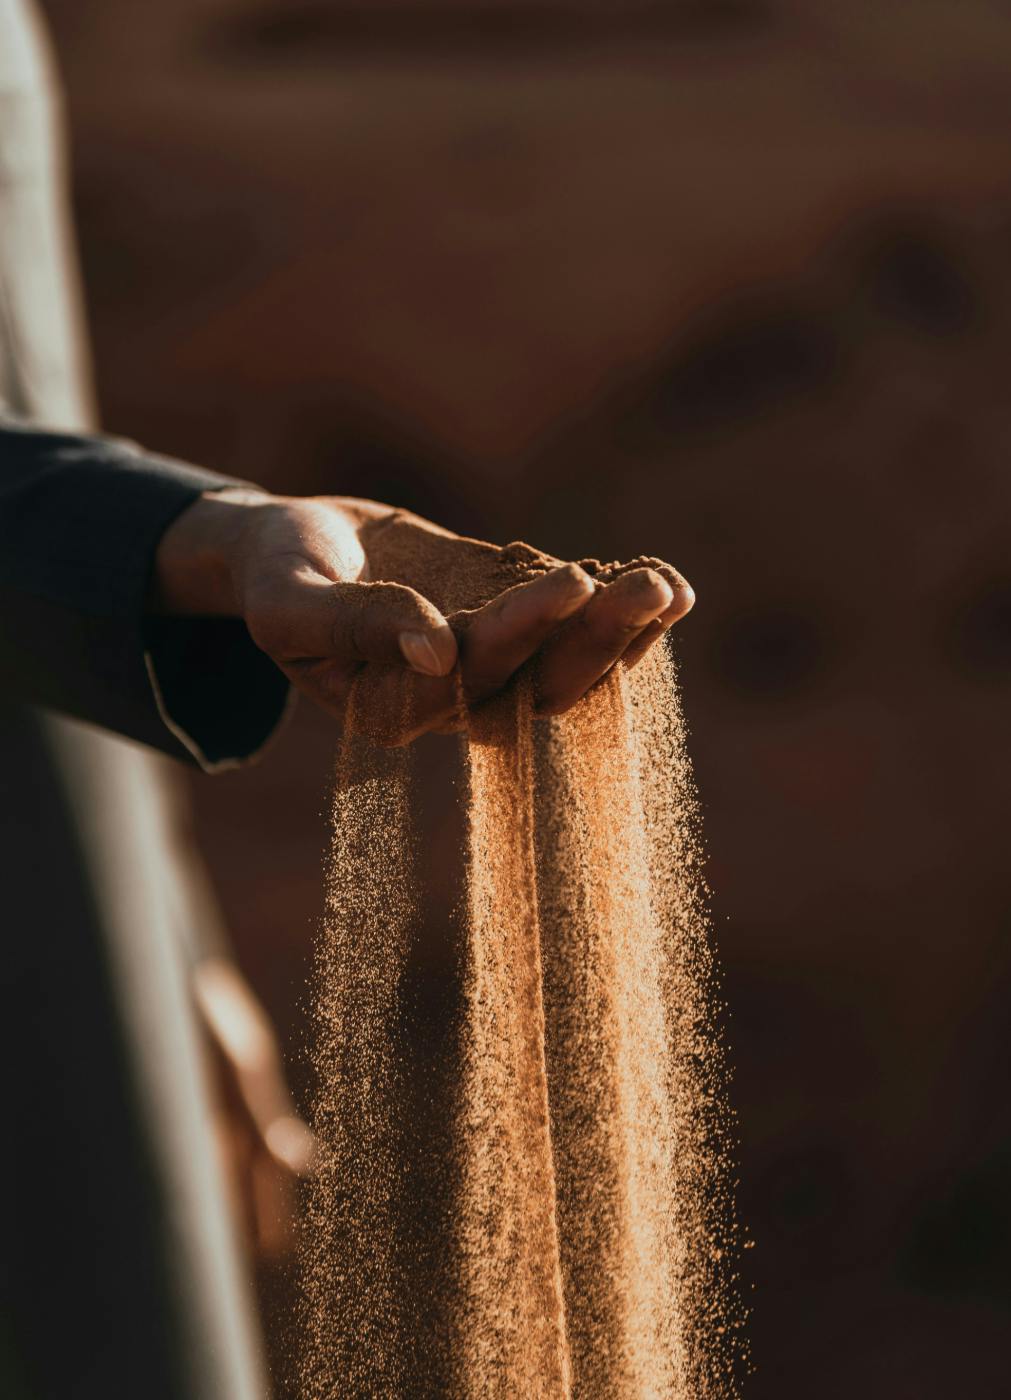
80	520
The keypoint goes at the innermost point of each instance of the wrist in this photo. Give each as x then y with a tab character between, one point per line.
196	562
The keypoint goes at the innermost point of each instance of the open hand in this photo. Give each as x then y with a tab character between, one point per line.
345	593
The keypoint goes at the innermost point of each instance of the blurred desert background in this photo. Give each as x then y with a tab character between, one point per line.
727	281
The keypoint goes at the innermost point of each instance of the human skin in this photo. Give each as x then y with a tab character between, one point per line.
341	591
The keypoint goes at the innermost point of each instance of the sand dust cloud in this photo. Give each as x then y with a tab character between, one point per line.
587	1186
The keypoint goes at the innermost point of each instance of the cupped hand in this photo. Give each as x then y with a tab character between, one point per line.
419	623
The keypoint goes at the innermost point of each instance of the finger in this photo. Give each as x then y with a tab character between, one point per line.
506	632
683	602
302	616
640	644
390	624
392	706
588	646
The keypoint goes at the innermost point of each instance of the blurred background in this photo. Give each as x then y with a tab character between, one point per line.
727	281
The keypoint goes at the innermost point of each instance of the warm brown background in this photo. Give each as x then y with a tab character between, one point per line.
724	280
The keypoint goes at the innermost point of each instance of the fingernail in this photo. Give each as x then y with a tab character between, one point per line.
420	654
579	588
662	596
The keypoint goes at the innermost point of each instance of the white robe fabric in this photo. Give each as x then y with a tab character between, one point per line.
109	942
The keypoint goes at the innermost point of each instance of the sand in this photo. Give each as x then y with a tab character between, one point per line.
586	1183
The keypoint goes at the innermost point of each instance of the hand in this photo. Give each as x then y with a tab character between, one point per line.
341	592
265	1146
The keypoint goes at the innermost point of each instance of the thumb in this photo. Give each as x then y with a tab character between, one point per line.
300	614
390	624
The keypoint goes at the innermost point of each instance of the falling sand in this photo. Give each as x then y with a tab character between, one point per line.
590	1236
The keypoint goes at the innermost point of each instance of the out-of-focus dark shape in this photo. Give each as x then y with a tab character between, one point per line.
919	281
770	654
753	362
979	637
316	31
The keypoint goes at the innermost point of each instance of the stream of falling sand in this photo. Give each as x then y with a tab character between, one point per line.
593	1221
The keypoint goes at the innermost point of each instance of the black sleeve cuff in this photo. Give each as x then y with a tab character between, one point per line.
218	694
80	521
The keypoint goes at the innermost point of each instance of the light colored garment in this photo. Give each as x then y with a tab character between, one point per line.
140	905
44	371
